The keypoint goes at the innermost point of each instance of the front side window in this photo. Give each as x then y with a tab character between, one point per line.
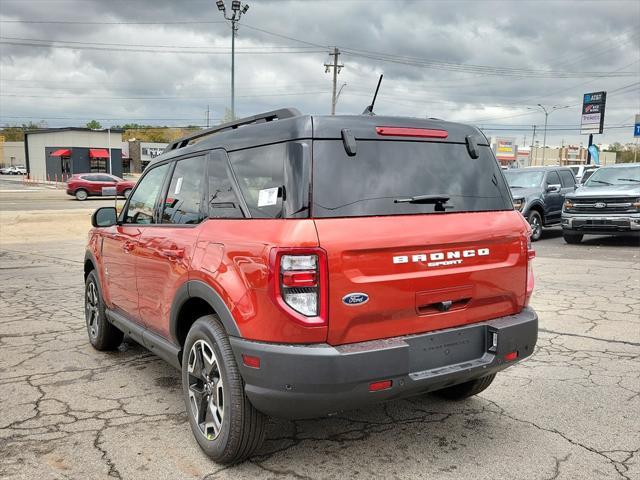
567	178
183	204
143	199
553	178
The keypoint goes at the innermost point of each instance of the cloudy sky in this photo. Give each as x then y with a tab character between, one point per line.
162	62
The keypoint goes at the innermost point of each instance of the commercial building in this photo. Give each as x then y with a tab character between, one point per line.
61	152
140	153
11	153
567	155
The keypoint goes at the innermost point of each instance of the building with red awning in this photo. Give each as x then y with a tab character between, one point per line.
62	152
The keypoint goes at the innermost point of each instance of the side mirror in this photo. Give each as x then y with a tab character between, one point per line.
555	188
104	217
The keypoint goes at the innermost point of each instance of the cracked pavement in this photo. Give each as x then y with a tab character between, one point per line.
570	411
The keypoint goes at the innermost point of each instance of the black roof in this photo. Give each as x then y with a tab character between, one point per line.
288	124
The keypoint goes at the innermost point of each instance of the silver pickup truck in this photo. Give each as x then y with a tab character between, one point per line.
607	204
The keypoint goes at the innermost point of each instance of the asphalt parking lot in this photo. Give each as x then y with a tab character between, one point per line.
571	411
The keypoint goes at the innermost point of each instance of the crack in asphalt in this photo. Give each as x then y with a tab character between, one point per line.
59	397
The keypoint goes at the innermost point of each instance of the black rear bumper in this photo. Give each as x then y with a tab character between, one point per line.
304	381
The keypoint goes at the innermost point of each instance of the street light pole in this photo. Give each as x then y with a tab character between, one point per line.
238	10
546	119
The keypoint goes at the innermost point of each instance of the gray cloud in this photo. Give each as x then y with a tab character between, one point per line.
45	82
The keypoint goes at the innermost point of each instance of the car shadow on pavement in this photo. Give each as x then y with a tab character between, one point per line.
595	240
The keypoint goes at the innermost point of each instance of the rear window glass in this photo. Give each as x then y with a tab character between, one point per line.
383	171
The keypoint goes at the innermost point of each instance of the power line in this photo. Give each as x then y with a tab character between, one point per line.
156	50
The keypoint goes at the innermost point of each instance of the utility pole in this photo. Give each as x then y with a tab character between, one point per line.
238	10
336	70
207	116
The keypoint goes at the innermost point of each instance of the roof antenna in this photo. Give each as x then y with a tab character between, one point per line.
369	109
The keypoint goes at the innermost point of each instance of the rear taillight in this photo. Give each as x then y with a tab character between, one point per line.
299	278
531	254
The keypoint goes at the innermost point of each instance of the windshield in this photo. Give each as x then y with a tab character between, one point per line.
404	177
523	178
615	176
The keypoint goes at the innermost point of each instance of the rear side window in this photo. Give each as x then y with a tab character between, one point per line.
143	200
222	199
383	171
553	178
183	203
567	178
260	175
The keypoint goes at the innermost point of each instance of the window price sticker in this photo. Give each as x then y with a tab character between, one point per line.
268	196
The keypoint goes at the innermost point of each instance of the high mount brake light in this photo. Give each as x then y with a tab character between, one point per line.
299	284
411	132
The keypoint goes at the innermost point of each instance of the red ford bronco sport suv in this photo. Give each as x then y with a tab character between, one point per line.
295	266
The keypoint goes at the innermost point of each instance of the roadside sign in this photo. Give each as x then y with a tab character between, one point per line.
592	120
636	130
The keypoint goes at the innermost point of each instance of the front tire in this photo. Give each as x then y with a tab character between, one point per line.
535	220
572	238
102	334
224	423
466	389
81	195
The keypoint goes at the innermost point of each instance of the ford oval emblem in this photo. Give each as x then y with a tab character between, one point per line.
352	299
600	205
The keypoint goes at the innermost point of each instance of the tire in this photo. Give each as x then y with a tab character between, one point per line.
81	194
126	193
535	220
466	389
572	238
236	429
102	334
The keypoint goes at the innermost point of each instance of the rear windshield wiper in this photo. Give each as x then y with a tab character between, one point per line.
601	181
436	199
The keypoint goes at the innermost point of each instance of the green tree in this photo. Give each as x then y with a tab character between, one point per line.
15	133
94	125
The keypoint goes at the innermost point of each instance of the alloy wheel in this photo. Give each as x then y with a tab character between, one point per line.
206	389
535	226
92	311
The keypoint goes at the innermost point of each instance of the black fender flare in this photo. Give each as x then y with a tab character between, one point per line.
535	205
199	289
88	255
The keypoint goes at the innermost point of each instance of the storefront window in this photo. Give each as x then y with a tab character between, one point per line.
98	165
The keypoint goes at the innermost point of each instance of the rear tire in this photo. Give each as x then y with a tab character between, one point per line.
81	195
102	334
572	238
466	389
230	429
535	220
126	193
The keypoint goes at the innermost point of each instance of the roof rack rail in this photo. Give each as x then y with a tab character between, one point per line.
259	118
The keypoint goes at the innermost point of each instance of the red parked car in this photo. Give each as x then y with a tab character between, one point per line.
296	266
86	185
